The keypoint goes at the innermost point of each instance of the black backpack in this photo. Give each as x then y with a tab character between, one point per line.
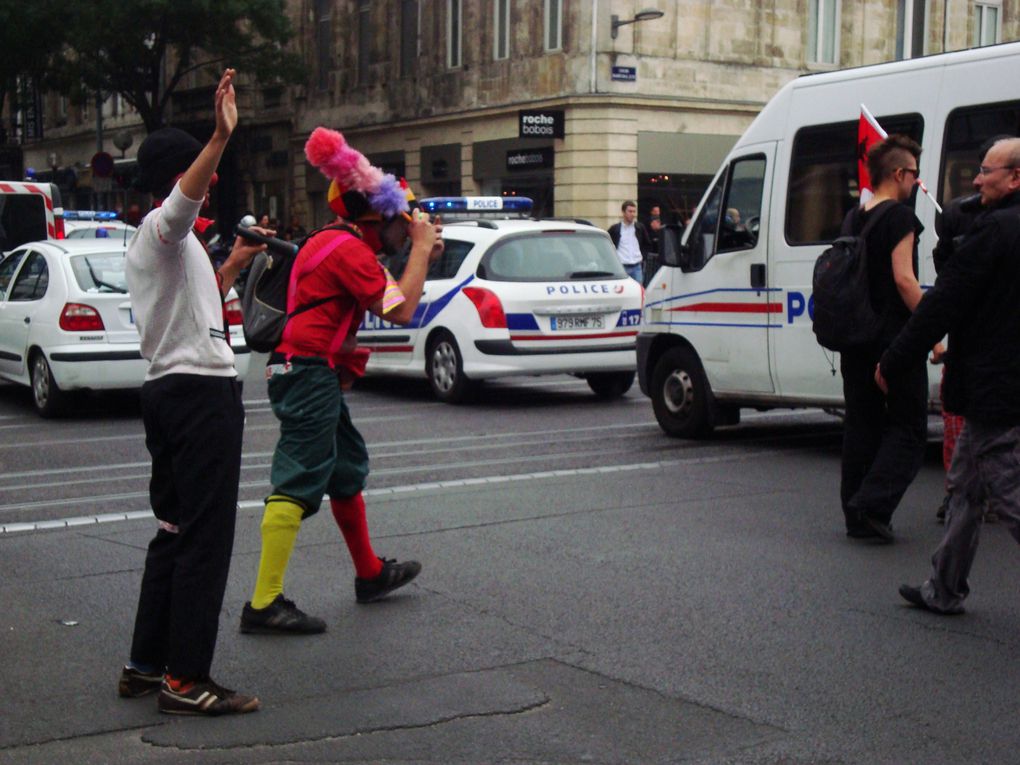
843	315
264	299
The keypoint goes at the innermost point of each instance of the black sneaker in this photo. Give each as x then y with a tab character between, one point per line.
280	617
393	576
204	697
135	683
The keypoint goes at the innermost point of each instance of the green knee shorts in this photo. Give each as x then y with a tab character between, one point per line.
319	451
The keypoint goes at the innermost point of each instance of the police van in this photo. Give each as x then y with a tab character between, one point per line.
727	321
29	212
513	296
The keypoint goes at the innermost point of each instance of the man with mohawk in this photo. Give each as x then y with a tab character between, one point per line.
335	279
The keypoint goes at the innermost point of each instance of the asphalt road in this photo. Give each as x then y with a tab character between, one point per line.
592	592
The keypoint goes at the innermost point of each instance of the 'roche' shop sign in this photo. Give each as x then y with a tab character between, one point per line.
529	159
547	123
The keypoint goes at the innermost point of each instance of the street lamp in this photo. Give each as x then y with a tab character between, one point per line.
646	15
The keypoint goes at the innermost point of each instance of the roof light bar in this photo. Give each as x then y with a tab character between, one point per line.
434	205
89	215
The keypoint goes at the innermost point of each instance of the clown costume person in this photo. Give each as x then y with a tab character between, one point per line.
320	452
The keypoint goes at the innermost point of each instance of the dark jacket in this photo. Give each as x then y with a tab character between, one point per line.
956	219
976	299
644	240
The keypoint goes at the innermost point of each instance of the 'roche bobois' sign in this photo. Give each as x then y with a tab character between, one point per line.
544	123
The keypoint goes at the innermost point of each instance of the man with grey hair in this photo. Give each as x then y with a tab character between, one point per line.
977	300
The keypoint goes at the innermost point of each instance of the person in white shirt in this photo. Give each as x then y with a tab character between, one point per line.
632	242
193	416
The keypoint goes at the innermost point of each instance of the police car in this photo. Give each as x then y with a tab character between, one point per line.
95	224
66	321
513	296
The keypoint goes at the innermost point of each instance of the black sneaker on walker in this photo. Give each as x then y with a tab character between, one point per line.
134	683
203	697
393	576
280	617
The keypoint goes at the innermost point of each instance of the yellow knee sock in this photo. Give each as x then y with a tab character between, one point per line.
280	526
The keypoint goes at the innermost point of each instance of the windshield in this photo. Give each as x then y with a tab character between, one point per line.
100	272
552	256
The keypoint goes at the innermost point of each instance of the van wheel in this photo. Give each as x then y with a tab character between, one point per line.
49	400
444	367
610	384
681	397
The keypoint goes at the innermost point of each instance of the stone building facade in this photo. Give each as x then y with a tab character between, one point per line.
451	93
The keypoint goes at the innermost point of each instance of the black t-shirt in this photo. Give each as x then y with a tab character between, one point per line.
896	223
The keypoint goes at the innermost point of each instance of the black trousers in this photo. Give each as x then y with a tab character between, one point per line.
193	430
883	436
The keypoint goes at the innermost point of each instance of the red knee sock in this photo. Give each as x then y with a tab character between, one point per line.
350	517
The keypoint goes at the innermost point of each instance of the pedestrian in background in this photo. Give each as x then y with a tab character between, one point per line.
320	451
193	416
884	436
631	240
976	299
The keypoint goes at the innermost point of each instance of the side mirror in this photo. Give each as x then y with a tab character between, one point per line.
672	253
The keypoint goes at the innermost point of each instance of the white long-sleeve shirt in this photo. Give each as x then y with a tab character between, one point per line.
175	295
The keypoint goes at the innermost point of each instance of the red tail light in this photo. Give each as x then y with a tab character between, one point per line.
233	308
490	310
81	318
58	224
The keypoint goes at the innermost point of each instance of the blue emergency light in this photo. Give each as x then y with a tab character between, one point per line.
460	205
89	215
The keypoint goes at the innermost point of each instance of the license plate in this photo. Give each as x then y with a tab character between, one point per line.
580	321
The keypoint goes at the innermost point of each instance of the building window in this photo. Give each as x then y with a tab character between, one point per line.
501	29
911	16
454	19
409	21
323	42
364	40
823	31
553	24
987	23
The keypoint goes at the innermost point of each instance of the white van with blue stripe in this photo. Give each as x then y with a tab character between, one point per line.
727	321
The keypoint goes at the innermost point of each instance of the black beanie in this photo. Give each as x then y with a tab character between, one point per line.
164	154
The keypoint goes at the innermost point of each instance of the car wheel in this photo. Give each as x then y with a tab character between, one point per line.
49	400
681	398
444	367
610	384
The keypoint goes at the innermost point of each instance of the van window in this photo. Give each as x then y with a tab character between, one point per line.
741	187
966	129
823	176
22	219
33	279
742	209
701	239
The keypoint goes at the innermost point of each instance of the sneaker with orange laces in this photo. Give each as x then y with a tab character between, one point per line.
202	697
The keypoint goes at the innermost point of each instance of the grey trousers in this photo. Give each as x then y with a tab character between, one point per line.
985	470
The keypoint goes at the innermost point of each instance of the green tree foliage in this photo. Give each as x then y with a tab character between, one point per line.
143	49
27	39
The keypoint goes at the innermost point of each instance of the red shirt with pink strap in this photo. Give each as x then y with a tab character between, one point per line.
335	264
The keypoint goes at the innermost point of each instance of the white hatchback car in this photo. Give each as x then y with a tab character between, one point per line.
514	297
66	321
